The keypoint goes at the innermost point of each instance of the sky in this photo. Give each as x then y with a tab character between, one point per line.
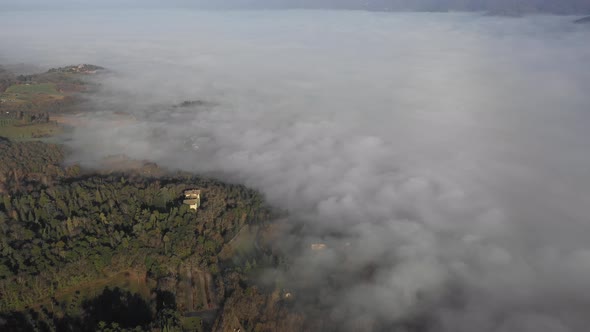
501	7
442	158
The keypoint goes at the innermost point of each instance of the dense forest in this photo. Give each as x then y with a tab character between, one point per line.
23	166
104	251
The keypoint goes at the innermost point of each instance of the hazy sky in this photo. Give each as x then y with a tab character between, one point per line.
443	158
497	6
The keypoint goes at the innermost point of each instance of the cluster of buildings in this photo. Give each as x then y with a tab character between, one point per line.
79	69
22	117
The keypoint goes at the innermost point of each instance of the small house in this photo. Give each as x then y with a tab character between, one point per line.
192	198
318	246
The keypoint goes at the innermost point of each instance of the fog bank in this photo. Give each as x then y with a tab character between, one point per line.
441	157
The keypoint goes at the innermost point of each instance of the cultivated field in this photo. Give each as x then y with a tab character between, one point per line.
33	131
46	88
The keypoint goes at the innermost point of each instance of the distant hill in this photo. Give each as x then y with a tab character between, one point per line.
22	68
193	103
492	7
77	69
6	79
584	20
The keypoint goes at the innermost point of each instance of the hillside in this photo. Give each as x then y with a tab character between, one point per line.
584	20
86	251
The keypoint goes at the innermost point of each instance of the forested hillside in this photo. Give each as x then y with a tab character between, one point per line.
88	251
23	165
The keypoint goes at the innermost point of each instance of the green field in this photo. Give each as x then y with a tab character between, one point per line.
31	131
46	88
7	122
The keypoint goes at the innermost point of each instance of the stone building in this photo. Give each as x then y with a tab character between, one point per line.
192	198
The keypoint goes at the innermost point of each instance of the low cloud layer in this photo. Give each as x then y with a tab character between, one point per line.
441	157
